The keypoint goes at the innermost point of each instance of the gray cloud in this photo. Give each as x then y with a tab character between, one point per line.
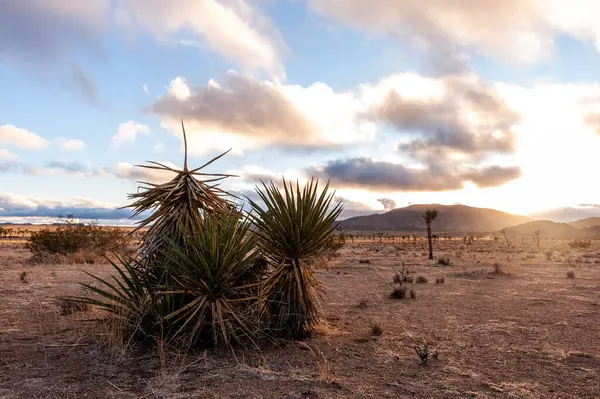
245	107
45	31
389	177
86	85
388	204
442	126
353	208
12	205
43	35
492	176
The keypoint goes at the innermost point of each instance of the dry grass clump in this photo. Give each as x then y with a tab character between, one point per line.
580	244
75	243
376	329
413	293
440	280
404	275
364	261
422	350
498	269
23	277
69	306
571	274
444	261
399	292
421	280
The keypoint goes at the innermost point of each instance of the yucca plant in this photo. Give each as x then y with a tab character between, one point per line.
216	280
293	228
177	207
128	299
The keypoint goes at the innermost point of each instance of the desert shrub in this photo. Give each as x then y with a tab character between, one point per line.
580	244
90	241
571	274
421	280
498	268
413	293
444	261
440	280
422	350
69	306
334	244
376	329
548	255
399	292
364	261
404	275
23	277
363	304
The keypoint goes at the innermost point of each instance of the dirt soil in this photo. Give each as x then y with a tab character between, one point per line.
526	332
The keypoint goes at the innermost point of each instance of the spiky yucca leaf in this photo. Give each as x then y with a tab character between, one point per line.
127	297
177	207
293	229
214	278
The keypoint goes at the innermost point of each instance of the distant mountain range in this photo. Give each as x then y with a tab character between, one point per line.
451	219
462	219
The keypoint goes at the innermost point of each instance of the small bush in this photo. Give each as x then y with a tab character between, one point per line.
69	306
498	268
365	261
571	274
444	261
422	350
77	242
422	280
399	292
580	244
413	293
548	255
376	329
23	277
363	304
333	245
440	280
403	275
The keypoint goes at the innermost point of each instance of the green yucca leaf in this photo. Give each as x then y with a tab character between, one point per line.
293	229
213	275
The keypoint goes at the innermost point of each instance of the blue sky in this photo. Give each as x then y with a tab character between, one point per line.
485	103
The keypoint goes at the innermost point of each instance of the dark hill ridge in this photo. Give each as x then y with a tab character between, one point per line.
451	219
586	223
547	228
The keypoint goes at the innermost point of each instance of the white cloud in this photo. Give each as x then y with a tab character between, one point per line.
11	135
71	144
521	31
7	156
128	171
128	132
247	114
179	89
234	29
145	88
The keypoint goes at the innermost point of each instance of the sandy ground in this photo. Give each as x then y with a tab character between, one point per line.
529	332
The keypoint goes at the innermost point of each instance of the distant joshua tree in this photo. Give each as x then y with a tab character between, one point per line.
537	236
429	217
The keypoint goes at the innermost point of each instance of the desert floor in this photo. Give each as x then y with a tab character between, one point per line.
527	332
